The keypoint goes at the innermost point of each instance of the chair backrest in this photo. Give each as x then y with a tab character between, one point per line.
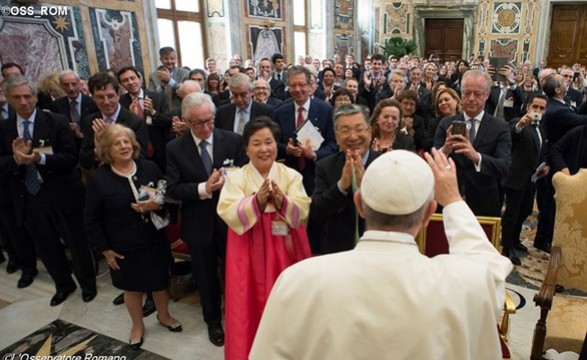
570	228
432	239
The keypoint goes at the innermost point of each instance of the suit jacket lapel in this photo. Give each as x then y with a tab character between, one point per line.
40	129
218	150
484	127
313	112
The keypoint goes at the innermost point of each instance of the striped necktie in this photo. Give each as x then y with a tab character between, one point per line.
31	181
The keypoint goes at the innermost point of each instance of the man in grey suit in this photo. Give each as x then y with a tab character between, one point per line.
242	109
167	78
483	153
195	176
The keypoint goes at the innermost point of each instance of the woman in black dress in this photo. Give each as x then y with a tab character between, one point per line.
119	204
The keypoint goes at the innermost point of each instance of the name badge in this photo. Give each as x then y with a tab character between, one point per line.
45	150
279	228
508	103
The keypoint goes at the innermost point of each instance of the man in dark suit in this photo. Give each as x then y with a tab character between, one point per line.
570	153
278	77
506	99
38	155
168	77
262	94
149	106
104	89
573	96
424	94
266	72
74	106
291	115
234	116
527	154
332	200
195	176
374	82
483	153
15	239
538	69
558	120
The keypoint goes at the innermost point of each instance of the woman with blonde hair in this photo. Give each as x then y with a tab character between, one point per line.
125	221
429	75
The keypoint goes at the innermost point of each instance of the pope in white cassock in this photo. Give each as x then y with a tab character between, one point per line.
384	299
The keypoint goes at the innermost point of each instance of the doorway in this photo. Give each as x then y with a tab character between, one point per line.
444	37
568	35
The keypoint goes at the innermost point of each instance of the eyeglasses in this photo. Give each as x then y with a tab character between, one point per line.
568	76
261	88
209	122
345	131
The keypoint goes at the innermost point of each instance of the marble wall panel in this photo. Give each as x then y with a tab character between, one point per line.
215	8
44	44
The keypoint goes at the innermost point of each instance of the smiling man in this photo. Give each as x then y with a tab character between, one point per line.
151	107
195	176
104	89
168	77
332	201
242	109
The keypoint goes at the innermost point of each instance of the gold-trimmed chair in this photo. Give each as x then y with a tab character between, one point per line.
566	315
432	241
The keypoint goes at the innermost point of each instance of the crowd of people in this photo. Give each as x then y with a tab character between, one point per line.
265	165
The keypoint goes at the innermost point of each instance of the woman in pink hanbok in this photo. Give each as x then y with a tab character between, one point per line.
266	208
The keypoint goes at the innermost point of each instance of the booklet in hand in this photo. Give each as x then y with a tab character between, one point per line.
307	131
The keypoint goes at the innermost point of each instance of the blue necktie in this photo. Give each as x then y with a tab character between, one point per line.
472	131
205	156
536	136
31	181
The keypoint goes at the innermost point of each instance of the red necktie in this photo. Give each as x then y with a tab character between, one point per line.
299	122
140	113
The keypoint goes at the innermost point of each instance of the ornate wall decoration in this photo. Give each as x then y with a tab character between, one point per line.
504	48
344	13
45	44
526	50
483	12
397	18
215	8
116	38
506	18
481	46
343	44
265	9
265	41
529	17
